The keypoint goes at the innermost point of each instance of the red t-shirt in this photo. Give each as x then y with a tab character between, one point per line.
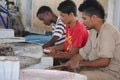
76	36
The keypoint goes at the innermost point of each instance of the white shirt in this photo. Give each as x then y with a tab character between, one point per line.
59	30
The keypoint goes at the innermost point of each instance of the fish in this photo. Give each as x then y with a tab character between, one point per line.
26	61
6	51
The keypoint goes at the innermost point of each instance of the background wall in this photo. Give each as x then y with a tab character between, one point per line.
53	4
35	4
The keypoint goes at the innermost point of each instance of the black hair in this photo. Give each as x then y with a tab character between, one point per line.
68	6
43	9
92	7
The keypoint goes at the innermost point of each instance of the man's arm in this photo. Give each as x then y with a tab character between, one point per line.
51	42
73	63
59	47
65	55
102	62
77	61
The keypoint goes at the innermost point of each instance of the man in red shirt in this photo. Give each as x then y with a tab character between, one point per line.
76	34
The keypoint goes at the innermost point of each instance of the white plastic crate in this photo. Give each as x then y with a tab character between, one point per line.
9	68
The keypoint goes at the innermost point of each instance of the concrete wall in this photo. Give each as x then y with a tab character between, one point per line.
53	4
38	25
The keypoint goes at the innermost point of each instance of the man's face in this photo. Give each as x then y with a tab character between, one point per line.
87	21
45	17
65	18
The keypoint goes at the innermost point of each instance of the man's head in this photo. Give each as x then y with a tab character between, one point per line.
44	14
67	10
92	12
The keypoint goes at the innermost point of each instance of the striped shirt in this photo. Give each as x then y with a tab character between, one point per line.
58	29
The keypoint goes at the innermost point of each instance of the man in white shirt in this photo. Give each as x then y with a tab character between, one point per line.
46	15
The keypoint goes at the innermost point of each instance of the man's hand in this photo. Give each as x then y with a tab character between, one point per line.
49	50
73	64
51	42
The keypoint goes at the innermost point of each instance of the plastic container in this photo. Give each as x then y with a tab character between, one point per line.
9	68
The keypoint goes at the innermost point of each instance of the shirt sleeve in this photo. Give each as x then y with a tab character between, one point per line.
84	52
59	30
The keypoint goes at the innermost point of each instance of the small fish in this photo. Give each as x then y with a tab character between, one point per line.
6	51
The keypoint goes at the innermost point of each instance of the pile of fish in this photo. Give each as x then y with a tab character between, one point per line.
6	50
25	61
